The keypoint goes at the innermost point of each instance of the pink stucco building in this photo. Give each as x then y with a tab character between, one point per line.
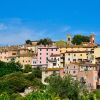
44	53
89	77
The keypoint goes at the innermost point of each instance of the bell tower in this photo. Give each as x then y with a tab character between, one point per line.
69	39
92	39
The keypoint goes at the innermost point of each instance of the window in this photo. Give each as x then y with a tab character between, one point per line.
47	53
67	67
74	72
13	53
40	57
40	62
29	61
58	59
33	62
40	53
74	54
68	59
80	54
69	71
56	49
52	49
74	60
40	49
69	54
23	60
74	66
54	64
47	49
46	58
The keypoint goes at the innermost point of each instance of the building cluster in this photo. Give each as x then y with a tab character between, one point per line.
82	62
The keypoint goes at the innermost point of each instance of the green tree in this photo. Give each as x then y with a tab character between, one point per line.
64	87
97	93
27	68
10	67
78	39
14	83
37	72
45	41
29	42
61	43
4	96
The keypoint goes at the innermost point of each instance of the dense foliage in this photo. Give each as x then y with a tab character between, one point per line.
63	89
45	41
14	82
78	39
27	68
10	67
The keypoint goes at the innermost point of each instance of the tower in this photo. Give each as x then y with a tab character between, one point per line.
92	39
69	39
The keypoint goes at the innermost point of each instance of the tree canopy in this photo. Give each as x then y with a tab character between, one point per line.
10	67
45	41
29	42
78	39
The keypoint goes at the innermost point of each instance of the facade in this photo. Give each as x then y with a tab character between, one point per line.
62	60
88	74
8	55
75	56
46	72
34	62
54	61
89	78
25	56
44	53
72	69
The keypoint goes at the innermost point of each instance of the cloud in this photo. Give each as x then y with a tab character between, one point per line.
16	31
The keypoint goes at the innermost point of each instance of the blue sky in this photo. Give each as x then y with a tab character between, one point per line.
34	19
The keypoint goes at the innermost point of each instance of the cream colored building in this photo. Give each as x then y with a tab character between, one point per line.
54	61
25	59
75	56
75	53
72	69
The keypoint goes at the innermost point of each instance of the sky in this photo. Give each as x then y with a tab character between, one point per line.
34	19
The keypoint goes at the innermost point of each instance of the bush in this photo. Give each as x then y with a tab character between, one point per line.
37	72
16	96
4	96
97	93
27	68
10	67
13	83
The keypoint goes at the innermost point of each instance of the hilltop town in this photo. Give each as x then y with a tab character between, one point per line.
82	61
